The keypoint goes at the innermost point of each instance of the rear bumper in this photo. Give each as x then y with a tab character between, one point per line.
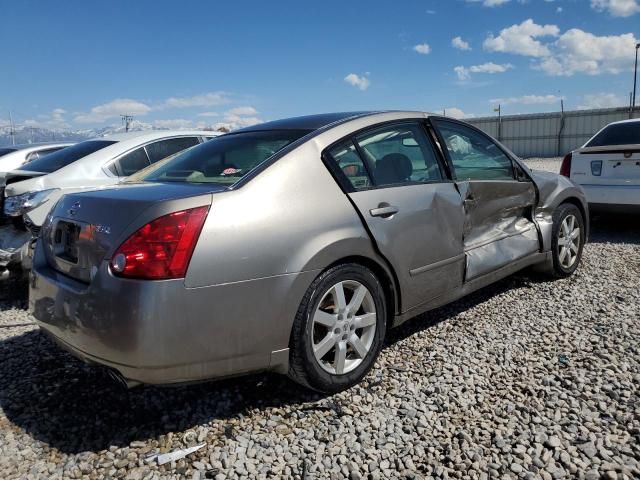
612	194
159	332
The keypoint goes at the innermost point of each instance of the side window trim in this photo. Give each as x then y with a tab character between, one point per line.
116	162
436	130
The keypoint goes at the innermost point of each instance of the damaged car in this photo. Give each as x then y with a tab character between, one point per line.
33	189
293	246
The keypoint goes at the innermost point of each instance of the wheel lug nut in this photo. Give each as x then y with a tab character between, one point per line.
337	331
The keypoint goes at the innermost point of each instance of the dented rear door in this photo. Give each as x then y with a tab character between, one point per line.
413	212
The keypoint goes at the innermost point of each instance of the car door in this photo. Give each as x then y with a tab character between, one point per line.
498	225
394	178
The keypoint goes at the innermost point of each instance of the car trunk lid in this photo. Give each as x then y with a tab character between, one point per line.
608	165
85	228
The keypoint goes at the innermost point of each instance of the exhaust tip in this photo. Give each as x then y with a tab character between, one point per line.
120	380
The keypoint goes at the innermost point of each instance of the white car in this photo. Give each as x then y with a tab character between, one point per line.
607	167
14	156
32	190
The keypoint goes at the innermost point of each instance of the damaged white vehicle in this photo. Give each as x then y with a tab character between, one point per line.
31	191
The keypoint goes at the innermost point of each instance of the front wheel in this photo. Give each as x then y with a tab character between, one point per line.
568	239
338	330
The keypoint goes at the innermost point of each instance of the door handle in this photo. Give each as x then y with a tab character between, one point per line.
384	211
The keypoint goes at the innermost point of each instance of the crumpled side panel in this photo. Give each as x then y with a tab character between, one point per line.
13	245
493	255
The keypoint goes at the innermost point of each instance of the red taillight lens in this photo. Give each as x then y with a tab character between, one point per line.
565	168
162	248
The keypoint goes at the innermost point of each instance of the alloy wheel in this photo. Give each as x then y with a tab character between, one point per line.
569	241
344	327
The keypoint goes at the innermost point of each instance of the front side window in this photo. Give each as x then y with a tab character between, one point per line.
224	159
474	156
164	148
133	161
66	156
619	134
400	154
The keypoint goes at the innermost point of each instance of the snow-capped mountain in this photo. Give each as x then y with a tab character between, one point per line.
25	134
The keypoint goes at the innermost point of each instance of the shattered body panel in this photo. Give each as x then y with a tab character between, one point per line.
14	245
553	190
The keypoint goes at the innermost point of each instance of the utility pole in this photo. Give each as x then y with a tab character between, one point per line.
12	130
126	120
635	78
499	110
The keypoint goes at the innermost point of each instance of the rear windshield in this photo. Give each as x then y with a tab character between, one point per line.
56	160
4	151
224	159
621	134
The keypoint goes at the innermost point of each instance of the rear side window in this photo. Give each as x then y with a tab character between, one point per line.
66	156
399	154
164	148
620	134
133	161
41	153
4	151
224	159
474	156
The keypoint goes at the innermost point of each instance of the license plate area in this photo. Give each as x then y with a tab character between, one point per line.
65	241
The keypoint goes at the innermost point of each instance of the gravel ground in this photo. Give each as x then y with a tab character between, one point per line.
549	164
528	378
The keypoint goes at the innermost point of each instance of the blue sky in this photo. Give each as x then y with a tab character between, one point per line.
78	64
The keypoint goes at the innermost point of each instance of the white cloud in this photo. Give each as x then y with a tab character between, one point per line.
559	10
464	73
173	124
455	112
602	100
617	8
422	48
357	81
460	44
113	109
243	111
489	3
211	99
527	100
522	39
577	51
209	114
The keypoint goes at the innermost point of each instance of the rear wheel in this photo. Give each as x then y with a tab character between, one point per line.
568	239
338	330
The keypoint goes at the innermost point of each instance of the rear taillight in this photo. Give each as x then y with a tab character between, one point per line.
565	168
162	248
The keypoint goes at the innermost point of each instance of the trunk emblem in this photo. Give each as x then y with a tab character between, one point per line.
74	208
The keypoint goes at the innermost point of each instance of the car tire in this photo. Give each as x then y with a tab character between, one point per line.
567	241
351	333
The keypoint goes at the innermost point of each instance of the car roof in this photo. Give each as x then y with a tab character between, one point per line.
307	122
631	120
147	135
38	146
322	120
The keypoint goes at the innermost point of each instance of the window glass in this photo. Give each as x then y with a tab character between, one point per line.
348	160
620	134
159	150
473	155
132	162
224	159
4	151
400	154
66	156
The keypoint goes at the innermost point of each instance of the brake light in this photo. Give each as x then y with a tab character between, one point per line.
162	248
565	168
